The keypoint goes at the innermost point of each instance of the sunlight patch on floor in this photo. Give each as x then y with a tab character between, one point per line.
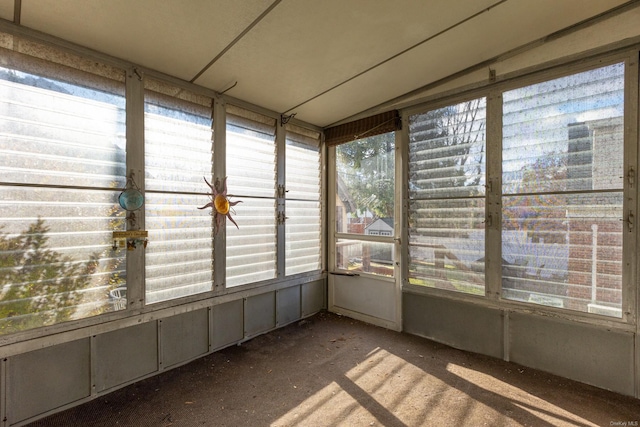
520	400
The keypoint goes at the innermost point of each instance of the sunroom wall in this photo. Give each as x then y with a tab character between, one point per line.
589	347
145	335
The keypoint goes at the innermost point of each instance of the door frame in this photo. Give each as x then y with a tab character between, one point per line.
351	294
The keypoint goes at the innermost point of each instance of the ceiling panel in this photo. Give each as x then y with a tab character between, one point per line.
329	59
305	47
503	28
176	37
6	9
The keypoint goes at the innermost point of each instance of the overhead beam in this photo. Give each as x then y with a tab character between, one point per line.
236	40
431	37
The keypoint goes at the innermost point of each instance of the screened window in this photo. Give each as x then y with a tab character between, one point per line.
178	156
447	167
251	172
365	205
62	163
562	225
303	208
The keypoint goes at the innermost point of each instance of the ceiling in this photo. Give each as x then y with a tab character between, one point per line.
324	60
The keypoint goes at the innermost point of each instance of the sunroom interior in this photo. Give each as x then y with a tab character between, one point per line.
181	177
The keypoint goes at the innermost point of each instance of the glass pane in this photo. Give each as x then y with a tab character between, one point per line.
564	251
365	184
56	256
179	257
447	151
302	171
447	168
251	171
178	150
446	244
303	209
565	134
178	156
366	257
303	239
251	248
251	163
562	136
56	133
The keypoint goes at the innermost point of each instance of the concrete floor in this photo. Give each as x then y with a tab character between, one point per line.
334	371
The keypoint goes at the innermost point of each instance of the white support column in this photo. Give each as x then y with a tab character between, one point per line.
401	270
135	166
631	258
219	173
330	225
281	212
493	199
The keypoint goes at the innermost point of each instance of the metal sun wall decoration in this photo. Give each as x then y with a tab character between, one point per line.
220	204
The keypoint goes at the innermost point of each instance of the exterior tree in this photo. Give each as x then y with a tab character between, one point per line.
536	215
448	145
39	285
447	153
367	168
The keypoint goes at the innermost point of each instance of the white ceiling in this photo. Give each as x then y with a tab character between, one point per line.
324	60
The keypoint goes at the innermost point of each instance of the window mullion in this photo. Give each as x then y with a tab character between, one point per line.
631	134
402	201
281	199
135	166
330	225
493	211
219	168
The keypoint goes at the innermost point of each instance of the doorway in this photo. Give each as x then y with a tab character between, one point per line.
364	271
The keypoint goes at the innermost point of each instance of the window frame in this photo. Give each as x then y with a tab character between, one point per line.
282	140
136	307
333	236
487	188
493	275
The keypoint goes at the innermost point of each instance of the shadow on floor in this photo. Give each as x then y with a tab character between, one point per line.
334	371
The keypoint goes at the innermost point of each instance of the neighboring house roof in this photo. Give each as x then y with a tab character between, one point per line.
381	224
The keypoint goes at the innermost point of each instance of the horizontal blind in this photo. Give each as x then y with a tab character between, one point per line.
62	162
178	155
447	168
251	178
378	124
303	208
563	158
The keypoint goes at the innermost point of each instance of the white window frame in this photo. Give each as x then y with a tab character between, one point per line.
333	236
493	274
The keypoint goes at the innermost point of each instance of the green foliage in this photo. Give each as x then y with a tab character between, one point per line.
39	286
367	168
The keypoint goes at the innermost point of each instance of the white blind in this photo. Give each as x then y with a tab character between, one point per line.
251	172
62	162
563	174
303	208
447	158
178	154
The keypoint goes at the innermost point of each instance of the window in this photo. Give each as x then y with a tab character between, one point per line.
562	227
365	193
447	158
251	172
62	145
178	156
303	208
561	200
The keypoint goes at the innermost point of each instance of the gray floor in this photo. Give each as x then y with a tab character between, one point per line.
333	371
